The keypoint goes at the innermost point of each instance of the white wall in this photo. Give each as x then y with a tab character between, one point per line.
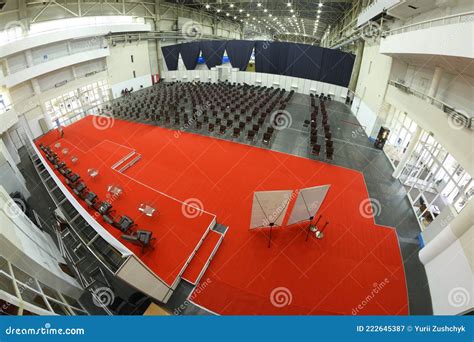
119	62
47	67
69	33
25	246
10	177
135	83
299	85
445	40
366	117
450	275
371	86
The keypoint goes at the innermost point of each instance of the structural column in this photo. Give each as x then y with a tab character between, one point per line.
406	157
453	231
438	73
46	115
357	64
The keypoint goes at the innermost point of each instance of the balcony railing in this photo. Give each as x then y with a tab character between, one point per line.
450	19
456	116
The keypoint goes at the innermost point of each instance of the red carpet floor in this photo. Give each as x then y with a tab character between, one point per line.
177	236
356	269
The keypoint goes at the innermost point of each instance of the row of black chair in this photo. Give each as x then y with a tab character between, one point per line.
315	147
219	107
139	237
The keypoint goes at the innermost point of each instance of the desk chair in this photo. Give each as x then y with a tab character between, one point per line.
316	150
141	238
266	138
60	165
79	189
124	224
103	207
236	132
90	199
65	171
329	152
71	179
222	129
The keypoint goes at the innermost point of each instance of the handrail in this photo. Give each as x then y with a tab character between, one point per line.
448	109
443	20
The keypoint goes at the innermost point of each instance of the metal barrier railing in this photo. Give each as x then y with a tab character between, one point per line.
447	20
449	110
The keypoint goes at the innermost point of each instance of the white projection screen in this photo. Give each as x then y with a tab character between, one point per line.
269	206
308	202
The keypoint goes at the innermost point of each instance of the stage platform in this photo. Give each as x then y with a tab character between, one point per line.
356	269
178	234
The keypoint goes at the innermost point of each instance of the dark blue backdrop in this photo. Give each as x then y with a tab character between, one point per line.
171	55
212	51
281	58
190	54
239	52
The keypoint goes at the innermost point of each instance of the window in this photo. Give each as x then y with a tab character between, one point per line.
434	179
25	288
24	278
6	284
67	107
134	74
4	265
131	57
33	298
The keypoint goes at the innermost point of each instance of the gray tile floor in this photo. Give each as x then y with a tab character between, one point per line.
352	150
